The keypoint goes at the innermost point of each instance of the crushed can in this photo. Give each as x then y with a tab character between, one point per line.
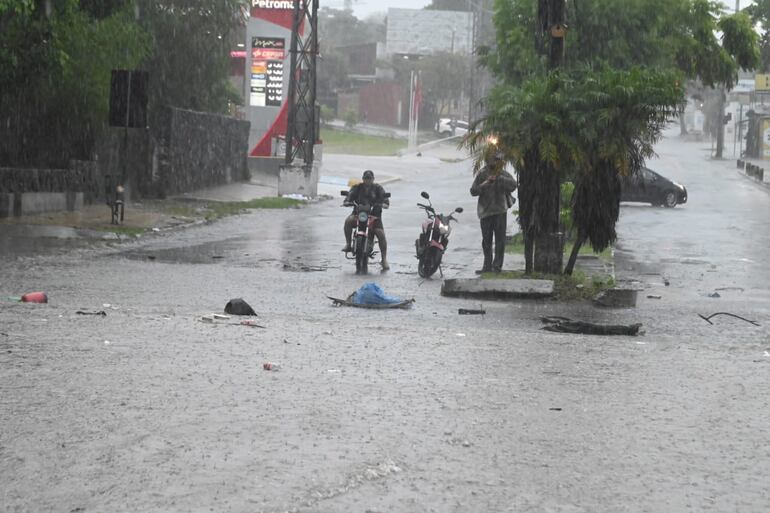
270	366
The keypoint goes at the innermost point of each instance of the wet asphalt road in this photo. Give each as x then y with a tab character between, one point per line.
149	409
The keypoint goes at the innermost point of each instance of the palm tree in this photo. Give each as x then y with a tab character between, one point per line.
593	126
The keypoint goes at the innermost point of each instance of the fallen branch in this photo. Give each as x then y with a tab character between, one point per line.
564	325
708	319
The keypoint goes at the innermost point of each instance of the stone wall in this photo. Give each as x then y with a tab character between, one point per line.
26	191
183	152
201	150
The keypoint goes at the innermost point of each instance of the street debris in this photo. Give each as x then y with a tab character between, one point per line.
618	297
371	295
654	296
304	268
708	319
238	306
270	366
251	322
100	312
565	325
741	289
35	297
469	311
714	294
554	409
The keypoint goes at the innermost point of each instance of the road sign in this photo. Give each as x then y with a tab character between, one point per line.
762	82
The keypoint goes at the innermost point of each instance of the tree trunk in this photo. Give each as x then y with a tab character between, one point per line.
529	251
549	242
549	253
581	239
720	128
682	124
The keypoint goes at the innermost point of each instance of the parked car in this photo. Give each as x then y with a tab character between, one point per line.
444	127
647	186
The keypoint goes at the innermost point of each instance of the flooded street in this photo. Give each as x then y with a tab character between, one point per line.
150	409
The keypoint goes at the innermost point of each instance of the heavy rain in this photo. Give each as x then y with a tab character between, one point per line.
446	256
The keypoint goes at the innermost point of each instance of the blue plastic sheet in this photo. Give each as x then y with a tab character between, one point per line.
372	294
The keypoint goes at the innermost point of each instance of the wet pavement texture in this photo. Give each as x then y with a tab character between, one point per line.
150	409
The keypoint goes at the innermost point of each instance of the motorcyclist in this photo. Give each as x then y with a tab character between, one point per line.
369	193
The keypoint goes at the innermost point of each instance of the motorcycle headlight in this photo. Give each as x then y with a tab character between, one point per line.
363	216
443	229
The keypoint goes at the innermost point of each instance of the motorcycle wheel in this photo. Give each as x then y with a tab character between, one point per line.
362	255
429	262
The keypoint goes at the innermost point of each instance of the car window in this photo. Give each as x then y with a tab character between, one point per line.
462	124
649	176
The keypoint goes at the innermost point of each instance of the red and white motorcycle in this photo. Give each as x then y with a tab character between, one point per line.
434	238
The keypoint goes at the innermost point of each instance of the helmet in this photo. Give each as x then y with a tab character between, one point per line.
368	174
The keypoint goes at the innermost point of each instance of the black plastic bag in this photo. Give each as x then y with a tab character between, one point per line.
238	307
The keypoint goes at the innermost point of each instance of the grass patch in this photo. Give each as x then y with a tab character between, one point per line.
516	245
351	143
217	210
131	231
211	210
566	288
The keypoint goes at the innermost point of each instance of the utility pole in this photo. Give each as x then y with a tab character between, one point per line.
549	243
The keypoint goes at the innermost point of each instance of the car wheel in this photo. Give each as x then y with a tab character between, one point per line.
669	200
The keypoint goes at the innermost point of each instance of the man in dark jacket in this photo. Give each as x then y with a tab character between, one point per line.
493	185
370	193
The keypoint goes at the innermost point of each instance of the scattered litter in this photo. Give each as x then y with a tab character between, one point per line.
216	257
239	307
35	297
666	282
654	296
333	371
466	443
220	316
555	409
299	197
564	325
156	229
460	334
151	257
304	268
708	319
100	312
767	353
106	342
371	295
270	366
731	288
714	294
467	311
251	322
207	318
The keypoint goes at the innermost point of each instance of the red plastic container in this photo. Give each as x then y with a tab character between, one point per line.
35	297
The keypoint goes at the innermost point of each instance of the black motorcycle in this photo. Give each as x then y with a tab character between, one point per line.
434	238
362	239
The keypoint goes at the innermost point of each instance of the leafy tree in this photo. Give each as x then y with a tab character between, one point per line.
190	61
55	63
586	125
760	14
658	34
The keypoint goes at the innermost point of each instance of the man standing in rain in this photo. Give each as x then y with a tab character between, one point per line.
493	185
